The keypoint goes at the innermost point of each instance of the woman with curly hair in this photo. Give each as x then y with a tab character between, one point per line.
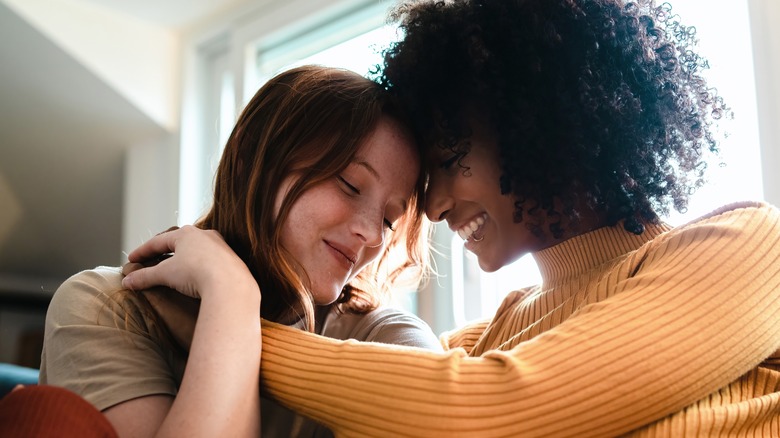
564	129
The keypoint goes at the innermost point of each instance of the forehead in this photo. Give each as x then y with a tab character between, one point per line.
387	142
389	152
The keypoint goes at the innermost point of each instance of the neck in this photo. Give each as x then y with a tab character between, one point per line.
588	219
584	251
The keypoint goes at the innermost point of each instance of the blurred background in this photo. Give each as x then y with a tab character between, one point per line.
113	114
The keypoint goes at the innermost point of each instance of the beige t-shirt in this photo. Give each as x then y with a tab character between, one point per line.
109	354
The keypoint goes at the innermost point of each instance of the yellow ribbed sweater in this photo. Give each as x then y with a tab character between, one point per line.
671	333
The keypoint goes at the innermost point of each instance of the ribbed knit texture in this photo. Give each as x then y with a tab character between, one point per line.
671	333
49	411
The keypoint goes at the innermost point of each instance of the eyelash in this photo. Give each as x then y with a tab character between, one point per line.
354	189
349	186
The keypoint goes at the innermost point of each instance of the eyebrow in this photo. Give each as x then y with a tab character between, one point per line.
373	171
368	167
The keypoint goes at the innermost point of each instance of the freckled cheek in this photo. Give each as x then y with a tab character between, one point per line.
320	210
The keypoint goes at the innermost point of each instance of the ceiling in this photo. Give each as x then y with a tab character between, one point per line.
168	13
63	133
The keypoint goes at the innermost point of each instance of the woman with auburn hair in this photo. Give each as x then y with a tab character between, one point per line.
319	197
564	129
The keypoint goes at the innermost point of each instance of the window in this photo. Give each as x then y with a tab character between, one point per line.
207	119
353	41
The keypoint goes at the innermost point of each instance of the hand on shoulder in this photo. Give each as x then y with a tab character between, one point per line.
192	261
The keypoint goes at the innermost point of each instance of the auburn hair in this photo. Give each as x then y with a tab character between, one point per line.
310	120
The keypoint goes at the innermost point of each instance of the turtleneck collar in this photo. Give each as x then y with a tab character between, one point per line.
589	250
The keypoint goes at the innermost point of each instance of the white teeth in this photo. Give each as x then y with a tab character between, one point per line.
469	229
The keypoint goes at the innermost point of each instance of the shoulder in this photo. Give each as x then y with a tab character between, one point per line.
94	301
384	325
748	224
83	295
739	241
747	212
100	344
97	279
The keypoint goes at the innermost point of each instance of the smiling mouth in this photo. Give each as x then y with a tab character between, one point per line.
347	259
473	230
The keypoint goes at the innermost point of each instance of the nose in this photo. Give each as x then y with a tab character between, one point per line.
369	227
438	203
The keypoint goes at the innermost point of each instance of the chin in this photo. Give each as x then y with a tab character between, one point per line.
488	265
325	298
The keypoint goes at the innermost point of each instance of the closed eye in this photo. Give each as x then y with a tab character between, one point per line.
349	186
356	191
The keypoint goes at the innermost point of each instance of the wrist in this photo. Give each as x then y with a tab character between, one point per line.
234	295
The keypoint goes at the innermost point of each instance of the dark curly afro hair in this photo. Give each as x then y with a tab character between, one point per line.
596	98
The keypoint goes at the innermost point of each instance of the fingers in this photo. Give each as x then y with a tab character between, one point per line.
144	277
137	272
153	263
131	267
155	249
128	282
173	228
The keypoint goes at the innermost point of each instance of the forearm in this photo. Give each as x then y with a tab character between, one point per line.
359	389
219	393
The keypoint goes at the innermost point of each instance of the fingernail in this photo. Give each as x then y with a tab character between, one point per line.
127	282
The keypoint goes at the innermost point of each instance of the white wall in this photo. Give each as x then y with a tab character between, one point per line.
138	59
764	16
142	62
150	191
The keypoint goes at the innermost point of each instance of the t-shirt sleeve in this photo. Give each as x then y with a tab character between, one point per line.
99	349
385	325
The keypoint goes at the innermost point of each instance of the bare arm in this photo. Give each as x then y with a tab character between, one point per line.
219	393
